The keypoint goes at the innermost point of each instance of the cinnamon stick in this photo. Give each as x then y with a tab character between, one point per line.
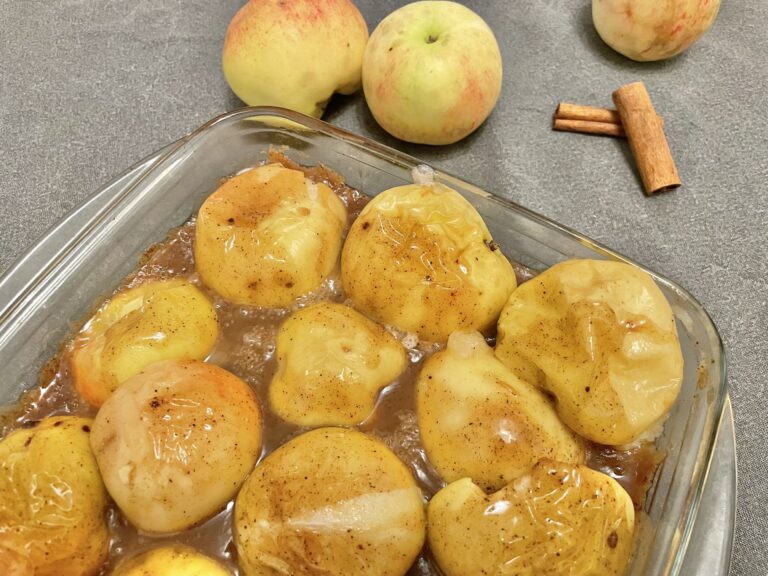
567	111
588	127
645	134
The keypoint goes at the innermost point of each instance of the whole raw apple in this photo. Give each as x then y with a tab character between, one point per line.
647	30
432	72
294	53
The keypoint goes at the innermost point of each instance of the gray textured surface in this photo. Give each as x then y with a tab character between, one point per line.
89	87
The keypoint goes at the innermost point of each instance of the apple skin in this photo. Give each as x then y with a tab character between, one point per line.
649	30
294	53
432	72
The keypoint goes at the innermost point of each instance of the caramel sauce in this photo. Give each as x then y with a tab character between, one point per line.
633	467
246	347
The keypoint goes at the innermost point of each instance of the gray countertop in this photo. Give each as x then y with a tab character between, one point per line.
90	87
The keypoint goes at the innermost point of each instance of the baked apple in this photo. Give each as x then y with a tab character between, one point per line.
331	501
331	364
601	338
175	442
53	505
269	235
176	560
557	519
159	320
478	420
420	257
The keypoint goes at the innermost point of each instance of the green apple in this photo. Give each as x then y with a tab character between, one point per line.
432	72
647	30
294	54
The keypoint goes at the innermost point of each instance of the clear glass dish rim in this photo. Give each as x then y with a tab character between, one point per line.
396	157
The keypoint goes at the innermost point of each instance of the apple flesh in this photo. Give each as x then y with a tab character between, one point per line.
432	72
294	54
648	30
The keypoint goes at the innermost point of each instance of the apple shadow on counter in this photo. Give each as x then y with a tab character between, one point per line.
338	104
437	155
335	108
233	102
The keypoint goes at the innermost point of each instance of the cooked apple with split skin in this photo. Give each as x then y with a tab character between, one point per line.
420	257
175	442
478	420
159	320
331	501
175	560
268	235
557	519
331	364
601	338
53	505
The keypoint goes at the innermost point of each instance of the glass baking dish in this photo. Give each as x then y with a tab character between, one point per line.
37	309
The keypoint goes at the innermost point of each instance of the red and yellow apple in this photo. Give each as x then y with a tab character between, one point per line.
647	30
432	72
294	54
